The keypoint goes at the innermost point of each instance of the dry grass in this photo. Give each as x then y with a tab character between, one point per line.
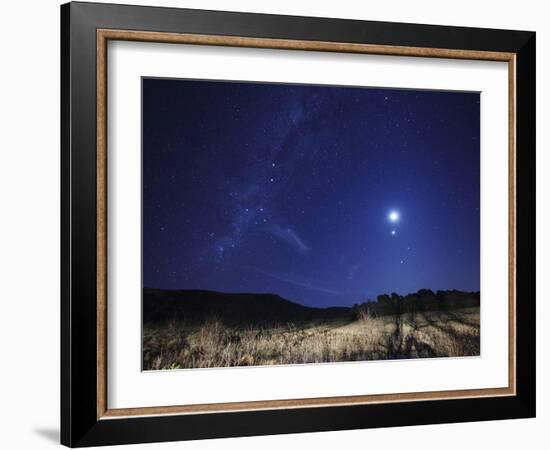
212	344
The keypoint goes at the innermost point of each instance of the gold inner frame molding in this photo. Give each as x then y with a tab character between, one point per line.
104	35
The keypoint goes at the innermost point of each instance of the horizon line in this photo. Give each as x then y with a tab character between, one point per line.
367	300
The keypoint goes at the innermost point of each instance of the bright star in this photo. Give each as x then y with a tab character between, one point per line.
393	216
393	232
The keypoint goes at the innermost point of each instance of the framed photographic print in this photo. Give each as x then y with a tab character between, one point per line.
276	224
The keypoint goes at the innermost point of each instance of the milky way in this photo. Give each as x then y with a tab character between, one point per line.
251	187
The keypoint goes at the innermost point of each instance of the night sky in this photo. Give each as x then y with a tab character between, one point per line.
323	195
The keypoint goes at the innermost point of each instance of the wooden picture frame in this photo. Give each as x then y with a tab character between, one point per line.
86	418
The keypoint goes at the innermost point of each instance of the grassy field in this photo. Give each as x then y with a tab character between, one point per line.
179	345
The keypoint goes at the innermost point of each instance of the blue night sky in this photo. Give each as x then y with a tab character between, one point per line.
289	189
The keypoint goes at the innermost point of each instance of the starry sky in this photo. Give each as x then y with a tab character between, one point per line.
327	196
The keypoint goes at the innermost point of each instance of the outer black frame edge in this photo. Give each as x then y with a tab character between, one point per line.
79	426
65	227
525	223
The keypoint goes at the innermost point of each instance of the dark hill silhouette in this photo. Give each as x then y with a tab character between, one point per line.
256	309
198	305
